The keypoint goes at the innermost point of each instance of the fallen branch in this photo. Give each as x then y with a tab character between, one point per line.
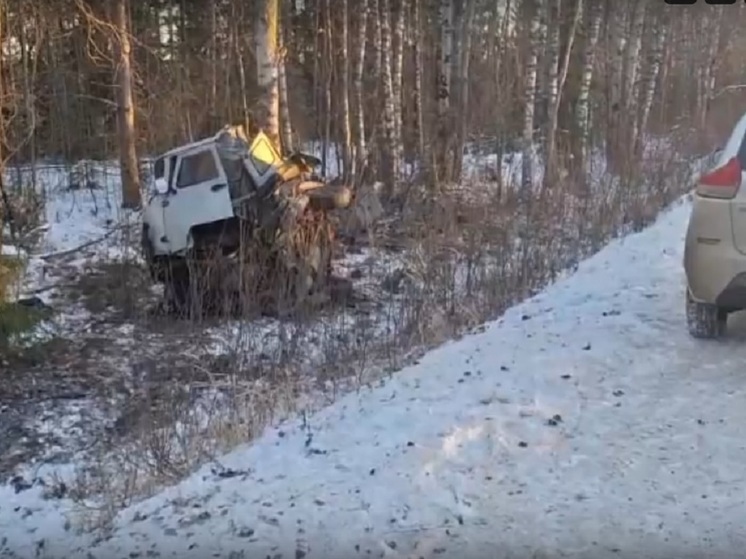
40	290
726	89
69	251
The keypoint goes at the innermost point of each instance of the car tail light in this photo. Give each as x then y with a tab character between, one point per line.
723	182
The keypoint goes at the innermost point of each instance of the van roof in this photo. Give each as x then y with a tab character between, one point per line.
186	147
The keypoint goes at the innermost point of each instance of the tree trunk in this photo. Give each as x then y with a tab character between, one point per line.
4	201
529	99
563	69
631	91
360	144
553	54
328	79
422	151
614	138
375	135
649	85
287	124
582	111
442	168
540	101
345	92
266	33
464	69
632	55
398	65
708	83
391	165
129	168
213	112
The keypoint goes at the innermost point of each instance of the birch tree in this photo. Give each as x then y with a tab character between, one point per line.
266	34
345	90
632	56
286	122
529	97
391	164
189	64
650	80
619	39
559	71
362	42
552	17
594	13
422	150
714	26
129	167
464	66
396	78
445	57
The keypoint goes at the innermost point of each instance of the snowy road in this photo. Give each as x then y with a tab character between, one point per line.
586	423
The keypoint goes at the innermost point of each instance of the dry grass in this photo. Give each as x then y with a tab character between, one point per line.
461	261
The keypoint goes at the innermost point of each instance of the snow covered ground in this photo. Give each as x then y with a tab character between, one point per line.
585	423
101	338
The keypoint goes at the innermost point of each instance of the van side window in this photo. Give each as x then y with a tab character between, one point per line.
197	168
159	169
171	170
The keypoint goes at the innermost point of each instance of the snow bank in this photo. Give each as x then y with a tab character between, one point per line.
586	423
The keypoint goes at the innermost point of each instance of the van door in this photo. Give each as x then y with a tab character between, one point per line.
198	195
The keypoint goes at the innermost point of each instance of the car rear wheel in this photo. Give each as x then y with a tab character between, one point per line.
705	321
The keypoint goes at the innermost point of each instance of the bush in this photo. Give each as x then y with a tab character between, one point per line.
10	269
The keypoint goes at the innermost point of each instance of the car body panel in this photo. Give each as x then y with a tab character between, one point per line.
715	246
171	216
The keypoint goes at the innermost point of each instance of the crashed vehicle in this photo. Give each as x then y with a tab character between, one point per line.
230	215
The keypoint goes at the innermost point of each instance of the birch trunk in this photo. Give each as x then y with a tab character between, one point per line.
391	165
582	111
360	148
649	86
529	99
287	124
464	69
553	55
423	152
562	71
444	88
345	93
379	108
541	63
398	64
616	89
710	67
129	168
631	91
4	198
266	31
632	56
214	64
328	64
505	26
378	48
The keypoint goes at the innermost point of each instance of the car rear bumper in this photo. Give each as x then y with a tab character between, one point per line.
715	269
733	297
716	278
